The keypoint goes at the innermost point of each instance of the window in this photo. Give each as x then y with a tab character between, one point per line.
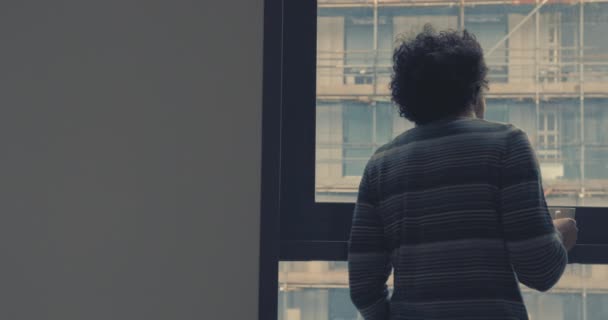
331	125
545	71
548	134
366	126
490	28
367	47
549	76
319	290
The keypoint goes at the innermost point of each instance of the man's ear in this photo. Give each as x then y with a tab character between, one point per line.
480	107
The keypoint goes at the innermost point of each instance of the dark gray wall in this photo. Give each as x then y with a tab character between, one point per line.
129	159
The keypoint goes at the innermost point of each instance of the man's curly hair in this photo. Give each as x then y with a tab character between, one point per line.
437	75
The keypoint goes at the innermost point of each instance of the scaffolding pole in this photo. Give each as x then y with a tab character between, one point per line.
461	17
375	46
519	25
584	293
537	70
581	53
373	103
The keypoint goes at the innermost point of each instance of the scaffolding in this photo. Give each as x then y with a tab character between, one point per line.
539	73
578	280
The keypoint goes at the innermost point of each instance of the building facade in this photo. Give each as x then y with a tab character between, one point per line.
548	75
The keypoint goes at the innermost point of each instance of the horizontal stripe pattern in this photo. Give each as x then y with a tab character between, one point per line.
457	211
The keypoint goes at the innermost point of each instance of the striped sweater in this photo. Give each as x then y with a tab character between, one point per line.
456	210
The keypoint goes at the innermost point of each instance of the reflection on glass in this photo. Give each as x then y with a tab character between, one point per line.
561	213
548	75
319	291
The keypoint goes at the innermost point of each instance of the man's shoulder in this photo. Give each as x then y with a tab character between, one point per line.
494	125
495	129
396	142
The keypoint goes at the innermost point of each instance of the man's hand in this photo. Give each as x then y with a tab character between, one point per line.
568	230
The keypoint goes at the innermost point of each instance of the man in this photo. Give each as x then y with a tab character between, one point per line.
455	206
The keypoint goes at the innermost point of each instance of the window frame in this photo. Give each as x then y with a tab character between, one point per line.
293	226
319	231
308	230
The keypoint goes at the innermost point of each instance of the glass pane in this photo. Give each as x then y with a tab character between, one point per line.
548	75
355	159
319	291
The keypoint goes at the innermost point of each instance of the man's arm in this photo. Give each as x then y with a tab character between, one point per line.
534	247
368	257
